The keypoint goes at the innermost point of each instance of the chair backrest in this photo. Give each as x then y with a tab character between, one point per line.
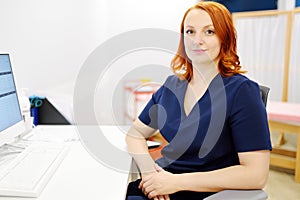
264	91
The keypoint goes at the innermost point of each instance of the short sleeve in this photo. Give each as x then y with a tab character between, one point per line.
149	114
248	118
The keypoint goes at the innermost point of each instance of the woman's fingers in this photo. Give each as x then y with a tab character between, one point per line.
158	168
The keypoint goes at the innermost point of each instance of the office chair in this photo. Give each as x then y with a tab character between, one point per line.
264	91
244	194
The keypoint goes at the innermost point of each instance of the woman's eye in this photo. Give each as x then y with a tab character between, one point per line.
189	31
209	32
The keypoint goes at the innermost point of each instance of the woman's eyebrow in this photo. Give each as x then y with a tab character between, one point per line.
210	25
206	26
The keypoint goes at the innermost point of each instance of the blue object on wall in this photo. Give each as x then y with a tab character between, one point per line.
34	112
248	5
297	3
36	102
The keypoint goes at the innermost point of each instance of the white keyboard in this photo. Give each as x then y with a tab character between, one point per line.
30	171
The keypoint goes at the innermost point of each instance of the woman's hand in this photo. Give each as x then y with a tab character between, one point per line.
159	183
148	176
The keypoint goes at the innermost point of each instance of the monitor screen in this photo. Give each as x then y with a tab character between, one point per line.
10	113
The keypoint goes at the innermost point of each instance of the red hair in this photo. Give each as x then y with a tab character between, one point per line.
229	63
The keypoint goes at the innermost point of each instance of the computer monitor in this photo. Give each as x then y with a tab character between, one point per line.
11	121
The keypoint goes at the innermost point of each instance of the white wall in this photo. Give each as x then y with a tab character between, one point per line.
48	40
286	4
127	15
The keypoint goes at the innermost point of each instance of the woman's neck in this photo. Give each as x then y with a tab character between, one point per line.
203	74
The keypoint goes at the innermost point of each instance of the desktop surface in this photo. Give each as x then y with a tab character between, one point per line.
80	176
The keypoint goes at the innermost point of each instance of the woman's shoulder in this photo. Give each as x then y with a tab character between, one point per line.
238	80
174	81
173	78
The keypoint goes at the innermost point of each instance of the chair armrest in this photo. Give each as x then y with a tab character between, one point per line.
239	195
153	144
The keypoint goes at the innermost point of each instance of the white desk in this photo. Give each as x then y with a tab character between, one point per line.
80	176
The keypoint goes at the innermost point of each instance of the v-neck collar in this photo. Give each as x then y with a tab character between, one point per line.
184	114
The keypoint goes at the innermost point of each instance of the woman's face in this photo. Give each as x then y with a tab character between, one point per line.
202	45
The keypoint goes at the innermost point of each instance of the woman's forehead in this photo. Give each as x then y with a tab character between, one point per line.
197	18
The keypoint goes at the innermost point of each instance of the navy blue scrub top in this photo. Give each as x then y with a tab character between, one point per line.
229	118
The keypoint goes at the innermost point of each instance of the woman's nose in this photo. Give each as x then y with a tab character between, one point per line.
198	39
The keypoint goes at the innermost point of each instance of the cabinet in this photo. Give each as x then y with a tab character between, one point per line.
136	94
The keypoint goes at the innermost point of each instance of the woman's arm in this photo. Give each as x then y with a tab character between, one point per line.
137	146
252	173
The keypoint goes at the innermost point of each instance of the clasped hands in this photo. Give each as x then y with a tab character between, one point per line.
159	184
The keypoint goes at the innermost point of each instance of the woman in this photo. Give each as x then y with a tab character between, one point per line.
211	115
